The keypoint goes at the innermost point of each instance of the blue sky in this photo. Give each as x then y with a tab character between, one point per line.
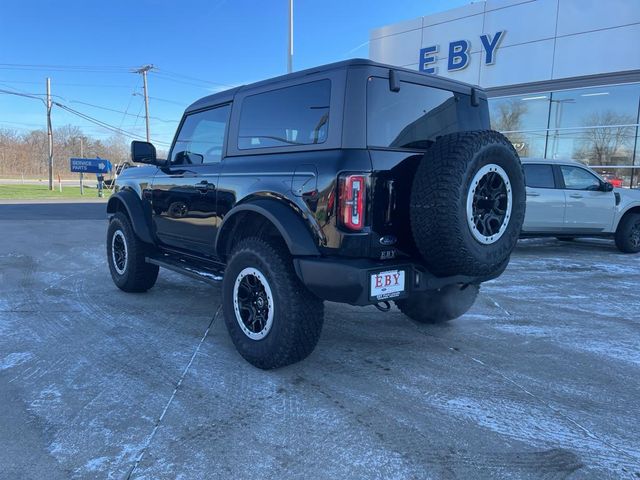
223	42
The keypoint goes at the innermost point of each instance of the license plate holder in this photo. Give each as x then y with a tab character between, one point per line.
387	284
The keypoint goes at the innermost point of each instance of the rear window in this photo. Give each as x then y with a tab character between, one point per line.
417	114
297	115
539	176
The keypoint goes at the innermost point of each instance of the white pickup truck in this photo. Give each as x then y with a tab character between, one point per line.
566	199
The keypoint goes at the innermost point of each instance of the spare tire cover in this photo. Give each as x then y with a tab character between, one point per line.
467	203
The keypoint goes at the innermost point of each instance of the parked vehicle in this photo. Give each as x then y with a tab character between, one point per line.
613	180
355	182
567	199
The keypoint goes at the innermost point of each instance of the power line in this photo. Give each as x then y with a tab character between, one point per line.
105	125
18	94
167	73
125	113
135	87
182	104
66	68
183	82
209	86
94	85
36	96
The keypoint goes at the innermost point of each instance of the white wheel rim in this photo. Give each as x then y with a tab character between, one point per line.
118	247
484	221
261	306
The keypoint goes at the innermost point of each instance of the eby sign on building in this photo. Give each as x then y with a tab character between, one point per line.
458	54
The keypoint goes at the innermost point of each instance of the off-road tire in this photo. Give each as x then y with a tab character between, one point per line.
625	233
298	315
438	205
439	306
137	275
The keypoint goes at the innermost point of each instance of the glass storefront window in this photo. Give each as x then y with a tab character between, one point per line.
528	144
594	146
596	125
595	107
524	112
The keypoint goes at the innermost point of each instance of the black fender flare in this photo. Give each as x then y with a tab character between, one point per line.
291	226
133	205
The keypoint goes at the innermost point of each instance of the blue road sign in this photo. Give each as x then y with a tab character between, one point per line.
90	165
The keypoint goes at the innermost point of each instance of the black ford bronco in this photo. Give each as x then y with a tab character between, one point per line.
354	182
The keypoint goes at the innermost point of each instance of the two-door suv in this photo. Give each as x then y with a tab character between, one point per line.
354	182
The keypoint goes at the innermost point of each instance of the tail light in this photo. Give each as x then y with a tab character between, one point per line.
352	203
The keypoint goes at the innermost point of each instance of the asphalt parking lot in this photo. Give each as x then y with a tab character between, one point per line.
541	379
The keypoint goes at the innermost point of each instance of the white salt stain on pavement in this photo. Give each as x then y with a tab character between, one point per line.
14	359
535	425
626	350
96	464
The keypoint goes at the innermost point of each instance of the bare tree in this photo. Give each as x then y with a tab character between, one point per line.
602	143
508	117
26	153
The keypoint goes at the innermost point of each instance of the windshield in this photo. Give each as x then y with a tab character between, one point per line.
417	114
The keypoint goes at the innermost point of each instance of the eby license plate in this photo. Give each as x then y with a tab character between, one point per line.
388	284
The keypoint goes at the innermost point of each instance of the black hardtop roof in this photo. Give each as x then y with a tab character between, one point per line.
228	95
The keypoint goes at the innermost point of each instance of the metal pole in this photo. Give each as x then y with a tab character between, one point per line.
81	174
290	47
49	134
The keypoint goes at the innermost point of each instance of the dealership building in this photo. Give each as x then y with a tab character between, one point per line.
562	76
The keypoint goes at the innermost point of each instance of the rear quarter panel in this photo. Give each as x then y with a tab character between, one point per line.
244	178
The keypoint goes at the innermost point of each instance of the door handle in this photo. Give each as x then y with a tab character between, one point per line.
575	195
532	194
204	186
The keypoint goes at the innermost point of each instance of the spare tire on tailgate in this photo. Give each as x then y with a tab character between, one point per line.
467	203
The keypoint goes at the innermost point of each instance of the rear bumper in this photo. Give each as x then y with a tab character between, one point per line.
348	280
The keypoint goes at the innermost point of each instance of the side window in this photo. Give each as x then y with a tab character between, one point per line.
539	176
297	115
576	178
201	137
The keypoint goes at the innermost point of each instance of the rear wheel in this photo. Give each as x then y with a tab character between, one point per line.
628	233
439	306
273	320
126	255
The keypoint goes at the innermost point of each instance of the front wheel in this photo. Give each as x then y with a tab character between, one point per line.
126	255
273	320
439	306
628	233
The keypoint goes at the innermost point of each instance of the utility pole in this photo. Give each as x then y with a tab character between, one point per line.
81	174
49	133
143	70
290	47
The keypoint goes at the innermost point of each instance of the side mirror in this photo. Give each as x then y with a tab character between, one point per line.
143	152
606	187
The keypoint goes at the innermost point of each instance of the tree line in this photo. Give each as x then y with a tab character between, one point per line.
27	153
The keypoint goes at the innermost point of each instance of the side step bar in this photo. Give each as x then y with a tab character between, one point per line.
202	273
